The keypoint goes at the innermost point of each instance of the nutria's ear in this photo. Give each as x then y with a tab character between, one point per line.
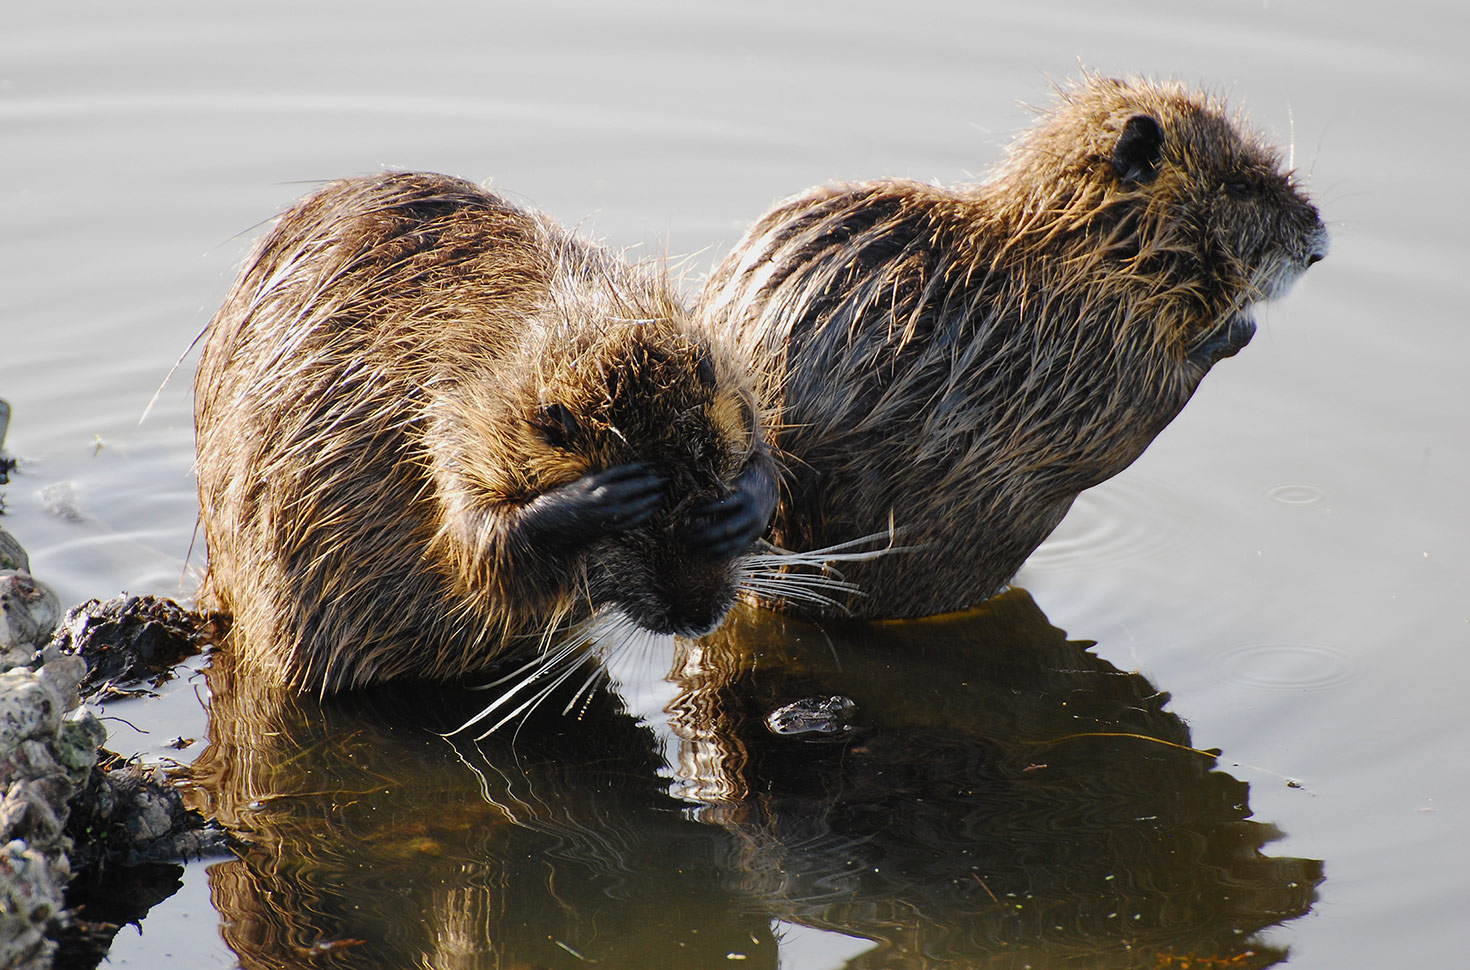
556	423
1139	149
704	366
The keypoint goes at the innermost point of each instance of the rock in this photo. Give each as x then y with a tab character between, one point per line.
7	465
29	610
31	886
129	814
12	553
131	639
47	748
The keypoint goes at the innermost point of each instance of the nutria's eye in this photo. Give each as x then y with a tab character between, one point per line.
557	424
1139	150
1238	190
704	366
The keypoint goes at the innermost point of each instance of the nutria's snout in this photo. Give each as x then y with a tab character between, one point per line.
675	575
693	625
1321	243
687	596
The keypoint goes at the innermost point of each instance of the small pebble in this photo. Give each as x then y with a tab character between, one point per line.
814	718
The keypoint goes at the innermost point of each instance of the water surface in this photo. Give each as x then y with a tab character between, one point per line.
1287	560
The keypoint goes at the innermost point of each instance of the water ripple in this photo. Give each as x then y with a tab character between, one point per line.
1296	494
1286	665
1120	522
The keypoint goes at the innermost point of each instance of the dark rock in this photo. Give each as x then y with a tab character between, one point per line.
129	640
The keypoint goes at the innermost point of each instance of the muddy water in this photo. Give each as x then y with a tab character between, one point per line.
1286	562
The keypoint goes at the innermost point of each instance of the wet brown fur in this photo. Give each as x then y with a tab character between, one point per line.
371	418
960	362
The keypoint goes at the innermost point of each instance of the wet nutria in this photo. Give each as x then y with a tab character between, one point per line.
432	425
960	363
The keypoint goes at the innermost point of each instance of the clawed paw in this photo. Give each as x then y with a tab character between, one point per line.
622	497
728	526
600	504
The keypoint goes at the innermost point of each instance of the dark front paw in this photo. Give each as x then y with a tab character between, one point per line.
594	506
726	527
1225	342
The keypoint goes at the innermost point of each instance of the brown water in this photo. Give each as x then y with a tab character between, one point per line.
1287	560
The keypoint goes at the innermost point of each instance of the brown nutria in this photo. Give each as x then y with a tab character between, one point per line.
432	425
960	363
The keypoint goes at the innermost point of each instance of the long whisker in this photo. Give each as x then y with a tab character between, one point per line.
530	703
524	676
612	635
772	573
1291	141
848	551
776	572
539	678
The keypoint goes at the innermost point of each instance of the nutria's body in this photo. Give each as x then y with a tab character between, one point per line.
960	363
433	427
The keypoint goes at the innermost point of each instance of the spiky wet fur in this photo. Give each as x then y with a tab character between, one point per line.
367	408
962	362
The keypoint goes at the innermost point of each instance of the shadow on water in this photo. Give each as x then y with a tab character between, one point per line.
968	791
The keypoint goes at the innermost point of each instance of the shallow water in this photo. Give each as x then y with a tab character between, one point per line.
1287	560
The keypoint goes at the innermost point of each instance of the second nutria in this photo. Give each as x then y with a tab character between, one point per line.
958	364
433	426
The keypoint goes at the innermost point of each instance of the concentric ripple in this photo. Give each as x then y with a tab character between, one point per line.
1296	494
1120	522
1286	665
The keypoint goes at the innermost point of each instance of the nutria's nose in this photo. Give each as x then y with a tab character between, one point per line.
1319	244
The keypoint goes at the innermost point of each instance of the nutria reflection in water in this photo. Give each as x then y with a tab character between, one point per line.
957	364
1001	797
377	843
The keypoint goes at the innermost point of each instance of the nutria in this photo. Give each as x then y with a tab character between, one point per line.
958	363
434	427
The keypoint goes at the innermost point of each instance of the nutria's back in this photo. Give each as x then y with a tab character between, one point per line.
958	364
434	427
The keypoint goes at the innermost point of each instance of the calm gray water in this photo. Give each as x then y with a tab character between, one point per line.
1288	560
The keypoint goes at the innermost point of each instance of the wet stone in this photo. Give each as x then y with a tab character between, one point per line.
7	465
48	745
129	640
814	719
12	553
86	845
29	610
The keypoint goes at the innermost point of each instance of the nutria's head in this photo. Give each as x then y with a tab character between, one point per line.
1201	213
678	404
650	392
